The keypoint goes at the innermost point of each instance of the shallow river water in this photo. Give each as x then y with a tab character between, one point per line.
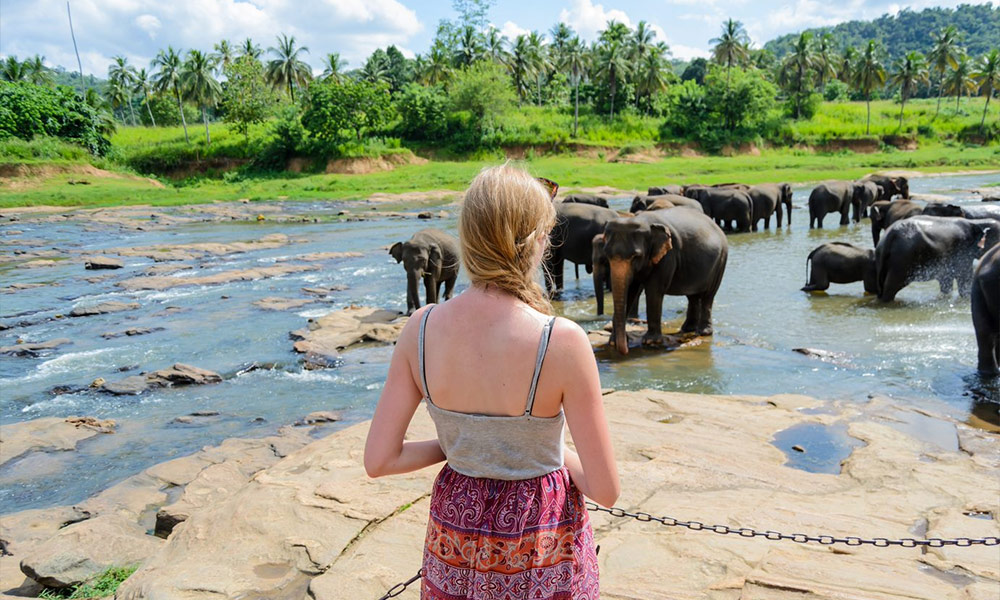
919	350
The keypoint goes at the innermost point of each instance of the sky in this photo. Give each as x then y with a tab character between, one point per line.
137	29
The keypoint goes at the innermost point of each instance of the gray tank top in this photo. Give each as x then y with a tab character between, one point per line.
498	446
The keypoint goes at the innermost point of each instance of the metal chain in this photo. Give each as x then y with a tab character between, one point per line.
747	532
799	538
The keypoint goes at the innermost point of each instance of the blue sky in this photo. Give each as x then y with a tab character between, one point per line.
354	28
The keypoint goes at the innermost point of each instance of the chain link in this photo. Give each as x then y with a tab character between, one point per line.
747	532
799	538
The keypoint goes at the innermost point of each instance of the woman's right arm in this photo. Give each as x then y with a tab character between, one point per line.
592	467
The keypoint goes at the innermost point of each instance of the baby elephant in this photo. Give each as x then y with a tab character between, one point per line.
431	255
837	262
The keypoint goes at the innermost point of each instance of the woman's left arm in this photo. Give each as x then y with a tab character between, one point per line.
385	451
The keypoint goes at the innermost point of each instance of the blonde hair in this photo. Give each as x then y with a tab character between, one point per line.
504	214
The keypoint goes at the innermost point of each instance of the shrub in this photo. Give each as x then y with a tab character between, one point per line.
247	98
165	112
836	91
423	112
336	110
484	91
27	110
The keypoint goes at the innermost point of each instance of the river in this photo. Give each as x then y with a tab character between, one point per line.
919	350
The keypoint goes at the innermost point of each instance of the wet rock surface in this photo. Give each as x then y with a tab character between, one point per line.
182	374
103	262
33	348
103	308
324	338
48	434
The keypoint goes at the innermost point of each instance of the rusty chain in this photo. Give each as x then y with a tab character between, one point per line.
748	532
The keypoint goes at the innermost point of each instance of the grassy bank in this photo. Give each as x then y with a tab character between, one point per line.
572	172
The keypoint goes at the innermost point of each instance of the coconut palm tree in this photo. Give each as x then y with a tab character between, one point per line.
376	68
36	72
540	62
959	81
642	43
494	46
943	56
224	54
333	67
868	76
117	96
199	85
122	73
470	47
287	69
845	64
613	63
168	77
987	76
651	72
575	59
908	72
825	60
797	68
614	31
13	69
438	65
731	48
248	48
141	84
520	65
561	35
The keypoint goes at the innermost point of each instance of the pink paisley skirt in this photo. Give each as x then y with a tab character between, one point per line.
490	539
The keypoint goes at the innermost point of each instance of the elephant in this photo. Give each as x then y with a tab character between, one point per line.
431	255
987	211
835	196
724	205
891	186
677	190
641	203
571	239
871	194
675	252
768	199
839	262
586	199
884	213
986	311
923	248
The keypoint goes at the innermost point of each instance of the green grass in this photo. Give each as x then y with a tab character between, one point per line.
40	149
102	586
572	172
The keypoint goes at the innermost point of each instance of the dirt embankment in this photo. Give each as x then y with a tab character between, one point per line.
20	176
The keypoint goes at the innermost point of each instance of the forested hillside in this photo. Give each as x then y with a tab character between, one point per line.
978	25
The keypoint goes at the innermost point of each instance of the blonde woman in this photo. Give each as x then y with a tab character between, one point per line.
500	377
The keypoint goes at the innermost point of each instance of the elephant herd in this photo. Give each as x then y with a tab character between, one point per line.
673	242
936	241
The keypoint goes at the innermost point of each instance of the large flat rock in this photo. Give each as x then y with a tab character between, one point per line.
48	434
314	523
323	339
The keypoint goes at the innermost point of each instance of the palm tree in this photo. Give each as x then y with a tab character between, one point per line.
908	72
642	42
333	67
168	77
943	56
614	32
824	60
574	59
520	65
796	69
539	60
438	65
248	48
612	64
199	85
561	35
13	69
868	76
376	68
845	65
117	96
731	47
287	70
122	73
494	46
470	48
651	72
142	85
224	54
36	71
987	76
960	81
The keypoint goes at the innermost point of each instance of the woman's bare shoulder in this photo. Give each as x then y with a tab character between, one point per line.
569	339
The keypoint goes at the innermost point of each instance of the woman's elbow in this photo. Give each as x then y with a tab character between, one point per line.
608	497
374	468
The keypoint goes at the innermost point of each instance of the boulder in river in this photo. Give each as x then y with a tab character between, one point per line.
326	336
103	262
167	282
274	303
33	348
130	386
48	434
130	332
182	374
112	306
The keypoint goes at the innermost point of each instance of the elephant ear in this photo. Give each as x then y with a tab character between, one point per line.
598	239
436	258
397	251
661	242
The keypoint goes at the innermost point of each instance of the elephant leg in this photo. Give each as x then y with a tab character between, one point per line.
964	282
693	314
818	279
576	269
634	291
654	316
987	334
449	286
845	215
705	318
894	281
430	286
946	281
767	222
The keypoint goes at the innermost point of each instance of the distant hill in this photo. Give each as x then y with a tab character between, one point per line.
978	26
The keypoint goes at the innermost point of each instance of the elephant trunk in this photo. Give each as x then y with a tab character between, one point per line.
412	292
599	284
621	277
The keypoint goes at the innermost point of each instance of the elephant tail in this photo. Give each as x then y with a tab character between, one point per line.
809	262
881	266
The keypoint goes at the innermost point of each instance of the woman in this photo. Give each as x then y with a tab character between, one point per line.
500	377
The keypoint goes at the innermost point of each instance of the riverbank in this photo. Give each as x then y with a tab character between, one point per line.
310	523
80	184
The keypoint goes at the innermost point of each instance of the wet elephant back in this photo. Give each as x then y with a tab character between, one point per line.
699	248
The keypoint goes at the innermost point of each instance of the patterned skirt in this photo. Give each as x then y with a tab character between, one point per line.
490	539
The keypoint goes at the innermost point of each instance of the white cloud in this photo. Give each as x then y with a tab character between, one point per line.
588	18
511	30
150	24
688	52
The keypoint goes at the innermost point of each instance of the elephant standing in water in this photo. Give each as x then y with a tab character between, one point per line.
885	213
768	199
926	248
676	252
838	262
836	197
677	190
986	311
726	205
641	203
572	239
431	255
891	186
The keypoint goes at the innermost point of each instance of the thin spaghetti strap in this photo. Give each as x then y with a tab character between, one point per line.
420	352
543	346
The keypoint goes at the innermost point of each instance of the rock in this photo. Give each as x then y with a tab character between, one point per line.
33	348
103	308
181	374
83	550
97	383
325	290
204	413
103	262
164	282
200	249
318	256
130	332
837	358
322	416
326	336
48	434
272	303
130	386
425	215
315	519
